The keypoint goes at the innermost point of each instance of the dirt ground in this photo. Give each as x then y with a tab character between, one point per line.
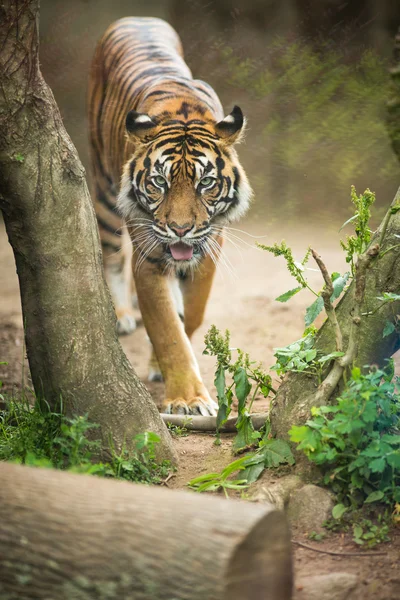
243	301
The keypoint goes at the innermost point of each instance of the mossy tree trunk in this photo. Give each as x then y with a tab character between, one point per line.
297	393
73	351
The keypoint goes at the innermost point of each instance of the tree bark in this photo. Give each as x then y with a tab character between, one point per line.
297	393
73	351
65	536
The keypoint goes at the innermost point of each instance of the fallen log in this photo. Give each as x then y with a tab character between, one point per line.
198	423
65	536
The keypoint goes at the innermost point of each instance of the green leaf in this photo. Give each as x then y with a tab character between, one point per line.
313	311
339	510
277	452
338	285
378	465
242	387
374	497
298	433
253	472
287	295
219	383
357	531
353	218
388	329
330	356
244	438
389	297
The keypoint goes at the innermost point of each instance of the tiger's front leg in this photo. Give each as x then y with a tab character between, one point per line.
185	391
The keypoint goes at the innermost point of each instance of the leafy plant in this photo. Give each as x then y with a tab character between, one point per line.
357	441
317	537
177	431
214	482
353	246
358	243
369	534
244	374
40	437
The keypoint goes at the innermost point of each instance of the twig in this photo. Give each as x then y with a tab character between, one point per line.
170	476
198	423
326	294
364	554
330	382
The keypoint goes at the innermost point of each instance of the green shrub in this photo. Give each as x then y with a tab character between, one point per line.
357	441
34	436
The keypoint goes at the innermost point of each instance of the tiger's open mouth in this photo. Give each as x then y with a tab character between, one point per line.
181	251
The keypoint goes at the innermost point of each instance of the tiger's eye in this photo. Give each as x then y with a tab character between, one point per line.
206	181
160	181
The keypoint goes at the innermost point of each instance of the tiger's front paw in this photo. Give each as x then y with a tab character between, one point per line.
126	323
199	405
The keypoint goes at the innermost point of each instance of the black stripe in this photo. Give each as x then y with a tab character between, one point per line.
102	198
107	227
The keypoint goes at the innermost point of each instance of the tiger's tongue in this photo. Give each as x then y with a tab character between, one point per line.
181	251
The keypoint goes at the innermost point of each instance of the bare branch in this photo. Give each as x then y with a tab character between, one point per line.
326	295
194	423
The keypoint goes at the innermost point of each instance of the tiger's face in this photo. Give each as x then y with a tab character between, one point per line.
181	185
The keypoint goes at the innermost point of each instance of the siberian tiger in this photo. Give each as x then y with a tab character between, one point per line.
164	165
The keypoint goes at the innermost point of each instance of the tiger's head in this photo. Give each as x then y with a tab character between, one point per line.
182	184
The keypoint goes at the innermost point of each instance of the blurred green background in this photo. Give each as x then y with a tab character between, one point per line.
310	75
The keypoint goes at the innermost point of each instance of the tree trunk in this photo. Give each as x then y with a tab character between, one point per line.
74	354
296	395
65	536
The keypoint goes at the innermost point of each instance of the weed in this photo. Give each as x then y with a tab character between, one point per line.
37	437
177	431
317	537
245	374
367	532
214	482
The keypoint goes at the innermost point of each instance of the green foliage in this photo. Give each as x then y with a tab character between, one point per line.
140	465
19	158
271	453
367	532
302	357
244	375
358	243
322	111
317	537
36	436
296	269
357	441
177	431
353	246
214	482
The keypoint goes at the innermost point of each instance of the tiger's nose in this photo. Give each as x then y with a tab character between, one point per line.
180	230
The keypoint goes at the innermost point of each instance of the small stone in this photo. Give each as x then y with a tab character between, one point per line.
309	507
334	586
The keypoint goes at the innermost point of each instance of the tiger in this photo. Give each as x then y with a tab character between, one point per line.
166	175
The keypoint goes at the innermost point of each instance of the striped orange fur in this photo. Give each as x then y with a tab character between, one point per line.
165	170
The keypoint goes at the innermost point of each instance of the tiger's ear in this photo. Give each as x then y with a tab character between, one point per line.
140	125
231	128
